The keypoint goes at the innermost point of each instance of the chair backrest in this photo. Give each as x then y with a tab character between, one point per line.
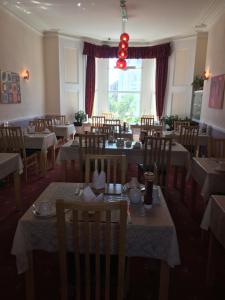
58	119
107	115
113	165
93	237
178	124
111	128
112	121
189	138
3	139
15	140
157	151
92	143
216	147
147	121
97	120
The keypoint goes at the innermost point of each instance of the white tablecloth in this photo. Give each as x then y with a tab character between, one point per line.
10	163
151	233
204	172
64	130
202	138
214	217
179	155
40	141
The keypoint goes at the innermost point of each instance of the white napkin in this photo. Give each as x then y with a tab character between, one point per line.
98	179
89	196
31	129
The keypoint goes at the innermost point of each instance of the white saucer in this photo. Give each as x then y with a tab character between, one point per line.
50	214
126	187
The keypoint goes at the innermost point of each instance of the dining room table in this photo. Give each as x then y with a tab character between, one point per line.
42	141
66	131
214	221
68	152
206	172
11	163
151	233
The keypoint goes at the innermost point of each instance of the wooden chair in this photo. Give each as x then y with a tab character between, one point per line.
59	119
97	121
94	236
107	115
111	129
189	138
112	121
147	116
113	165
15	143
90	144
216	148
178	124
145	122
157	156
3	139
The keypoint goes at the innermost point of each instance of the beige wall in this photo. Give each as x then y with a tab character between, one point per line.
215	61
21	47
51	61
180	77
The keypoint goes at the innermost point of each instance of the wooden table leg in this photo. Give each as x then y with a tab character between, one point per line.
17	188
164	281
43	162
183	177
211	261
193	196
29	278
175	177
65	173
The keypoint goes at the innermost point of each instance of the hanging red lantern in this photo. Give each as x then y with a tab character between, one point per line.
124	37
121	63
123	45
122	53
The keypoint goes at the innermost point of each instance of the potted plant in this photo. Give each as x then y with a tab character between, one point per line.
79	117
198	83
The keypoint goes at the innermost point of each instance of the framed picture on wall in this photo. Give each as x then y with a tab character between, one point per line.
9	88
216	96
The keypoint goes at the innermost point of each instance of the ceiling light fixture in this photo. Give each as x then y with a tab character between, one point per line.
124	38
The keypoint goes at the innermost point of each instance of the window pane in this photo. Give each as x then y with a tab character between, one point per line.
126	106
126	81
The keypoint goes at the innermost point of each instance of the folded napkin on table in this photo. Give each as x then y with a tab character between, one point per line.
89	196
98	179
31	129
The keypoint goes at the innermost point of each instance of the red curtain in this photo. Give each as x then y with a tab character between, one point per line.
160	52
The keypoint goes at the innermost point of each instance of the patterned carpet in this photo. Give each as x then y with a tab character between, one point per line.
187	280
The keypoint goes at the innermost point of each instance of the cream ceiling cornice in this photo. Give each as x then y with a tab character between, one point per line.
149	22
2	8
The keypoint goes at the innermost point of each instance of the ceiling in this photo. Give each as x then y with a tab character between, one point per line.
148	20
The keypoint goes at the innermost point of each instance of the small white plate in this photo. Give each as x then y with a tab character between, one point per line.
126	187
45	216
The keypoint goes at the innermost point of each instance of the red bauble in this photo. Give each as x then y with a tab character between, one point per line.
124	37
123	45
122	53
121	64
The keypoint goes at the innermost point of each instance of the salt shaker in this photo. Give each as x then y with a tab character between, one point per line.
148	196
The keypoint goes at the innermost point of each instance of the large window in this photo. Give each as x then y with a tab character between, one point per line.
128	94
124	90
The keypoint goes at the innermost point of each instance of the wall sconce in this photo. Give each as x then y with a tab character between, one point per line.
206	75
25	74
